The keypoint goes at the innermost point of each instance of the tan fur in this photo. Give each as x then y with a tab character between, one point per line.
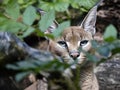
73	36
68	46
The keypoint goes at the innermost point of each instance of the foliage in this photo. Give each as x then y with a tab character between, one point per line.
63	5
49	17
110	33
29	66
60	28
20	17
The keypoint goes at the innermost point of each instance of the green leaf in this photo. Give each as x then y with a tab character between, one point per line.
21	75
54	65
61	6
91	57
57	5
13	67
46	20
20	1
42	34
28	31
29	15
26	65
60	28
11	26
115	47
13	9
110	33
5	1
104	51
74	3
87	4
115	51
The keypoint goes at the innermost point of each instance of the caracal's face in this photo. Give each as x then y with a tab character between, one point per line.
75	38
69	44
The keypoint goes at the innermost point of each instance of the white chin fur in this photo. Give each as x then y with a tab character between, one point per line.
73	66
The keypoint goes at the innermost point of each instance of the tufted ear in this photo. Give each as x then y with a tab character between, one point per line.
53	25
88	24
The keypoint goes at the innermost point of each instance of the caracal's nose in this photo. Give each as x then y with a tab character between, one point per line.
74	54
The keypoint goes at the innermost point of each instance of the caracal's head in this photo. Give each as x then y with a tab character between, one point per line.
70	43
73	39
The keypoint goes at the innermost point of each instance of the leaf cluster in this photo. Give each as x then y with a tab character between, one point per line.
20	16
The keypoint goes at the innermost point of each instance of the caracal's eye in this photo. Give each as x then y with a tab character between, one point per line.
62	43
83	42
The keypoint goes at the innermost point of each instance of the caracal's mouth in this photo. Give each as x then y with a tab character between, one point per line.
74	62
